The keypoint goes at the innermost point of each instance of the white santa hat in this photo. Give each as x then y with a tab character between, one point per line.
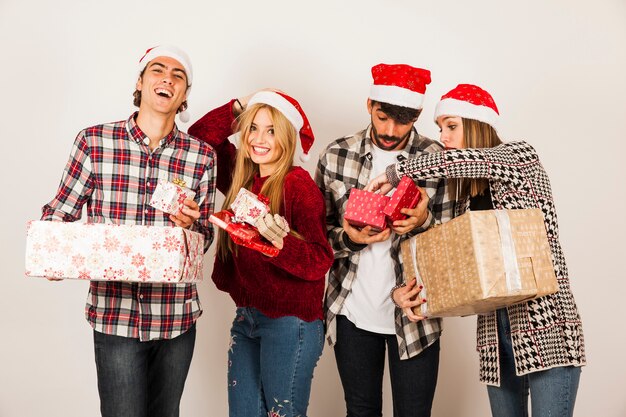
176	53
470	102
293	112
399	84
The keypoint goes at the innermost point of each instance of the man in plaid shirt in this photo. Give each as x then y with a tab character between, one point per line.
144	334
362	321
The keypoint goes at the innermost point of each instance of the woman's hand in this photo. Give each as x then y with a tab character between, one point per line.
273	228
380	184
407	298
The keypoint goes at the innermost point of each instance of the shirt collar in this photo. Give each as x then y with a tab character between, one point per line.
368	144
137	135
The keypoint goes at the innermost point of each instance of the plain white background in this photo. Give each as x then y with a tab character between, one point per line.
555	68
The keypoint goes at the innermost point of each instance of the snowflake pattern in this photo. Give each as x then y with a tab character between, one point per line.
78	260
111	244
171	243
138	260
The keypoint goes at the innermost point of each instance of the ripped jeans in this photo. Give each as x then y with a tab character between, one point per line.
271	363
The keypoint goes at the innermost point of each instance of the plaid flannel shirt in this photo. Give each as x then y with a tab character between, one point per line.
113	171
346	163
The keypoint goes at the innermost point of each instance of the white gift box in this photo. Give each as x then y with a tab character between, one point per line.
247	207
169	197
108	252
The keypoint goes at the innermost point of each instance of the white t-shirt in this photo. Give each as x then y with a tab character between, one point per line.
368	305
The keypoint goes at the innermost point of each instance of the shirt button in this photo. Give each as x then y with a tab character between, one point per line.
141	296
148	183
146	211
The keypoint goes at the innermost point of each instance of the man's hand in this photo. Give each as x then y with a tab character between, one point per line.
187	215
406	298
380	184
366	235
417	215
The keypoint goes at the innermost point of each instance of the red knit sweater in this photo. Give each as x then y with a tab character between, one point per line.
292	283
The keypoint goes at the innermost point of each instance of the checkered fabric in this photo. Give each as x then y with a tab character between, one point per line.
546	332
112	170
346	163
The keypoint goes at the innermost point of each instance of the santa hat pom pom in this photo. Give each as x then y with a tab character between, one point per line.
184	116
304	157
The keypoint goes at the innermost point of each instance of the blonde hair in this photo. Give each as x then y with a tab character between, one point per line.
245	169
476	134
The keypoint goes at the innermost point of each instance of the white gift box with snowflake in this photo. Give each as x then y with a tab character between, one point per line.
169	196
108	252
248	207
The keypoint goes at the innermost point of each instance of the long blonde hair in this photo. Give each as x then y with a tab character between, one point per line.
245	169
476	134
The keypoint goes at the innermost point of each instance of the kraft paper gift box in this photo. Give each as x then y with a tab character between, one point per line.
480	261
366	209
242	233
108	252
248	207
407	195
169	196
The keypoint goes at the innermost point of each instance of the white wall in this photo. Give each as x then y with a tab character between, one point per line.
554	67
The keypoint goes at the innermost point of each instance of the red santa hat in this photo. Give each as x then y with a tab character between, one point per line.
401	85
176	53
292	110
470	102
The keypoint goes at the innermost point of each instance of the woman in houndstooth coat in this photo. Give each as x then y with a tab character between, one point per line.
535	346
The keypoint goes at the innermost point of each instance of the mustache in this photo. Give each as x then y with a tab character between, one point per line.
390	138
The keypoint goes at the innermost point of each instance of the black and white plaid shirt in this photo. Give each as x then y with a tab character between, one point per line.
347	163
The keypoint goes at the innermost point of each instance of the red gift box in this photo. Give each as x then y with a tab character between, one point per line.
242	233
366	209
407	195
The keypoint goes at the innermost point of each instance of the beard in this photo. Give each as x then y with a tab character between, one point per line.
389	143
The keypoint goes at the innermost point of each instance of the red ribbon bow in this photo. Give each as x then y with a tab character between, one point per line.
263	199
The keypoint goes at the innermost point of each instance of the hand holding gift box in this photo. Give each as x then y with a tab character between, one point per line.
169	196
372	209
479	262
249	207
242	233
407	195
366	209
109	252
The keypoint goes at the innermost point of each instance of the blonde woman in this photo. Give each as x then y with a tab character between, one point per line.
277	334
535	346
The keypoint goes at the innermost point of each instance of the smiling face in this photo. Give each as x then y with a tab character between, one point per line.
163	86
388	134
451	128
263	147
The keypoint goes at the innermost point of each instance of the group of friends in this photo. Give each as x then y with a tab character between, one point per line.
144	334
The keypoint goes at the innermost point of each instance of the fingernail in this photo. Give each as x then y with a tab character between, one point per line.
421	286
423	300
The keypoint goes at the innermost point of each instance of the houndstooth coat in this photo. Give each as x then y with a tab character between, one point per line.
546	332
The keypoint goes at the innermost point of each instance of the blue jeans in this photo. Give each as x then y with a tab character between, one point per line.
142	379
552	392
360	359
270	364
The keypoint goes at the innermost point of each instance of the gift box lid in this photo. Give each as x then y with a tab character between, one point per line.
407	195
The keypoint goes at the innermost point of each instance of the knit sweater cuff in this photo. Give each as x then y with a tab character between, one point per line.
392	175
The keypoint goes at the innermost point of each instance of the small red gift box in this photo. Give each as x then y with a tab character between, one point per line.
366	209
242	233
407	195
